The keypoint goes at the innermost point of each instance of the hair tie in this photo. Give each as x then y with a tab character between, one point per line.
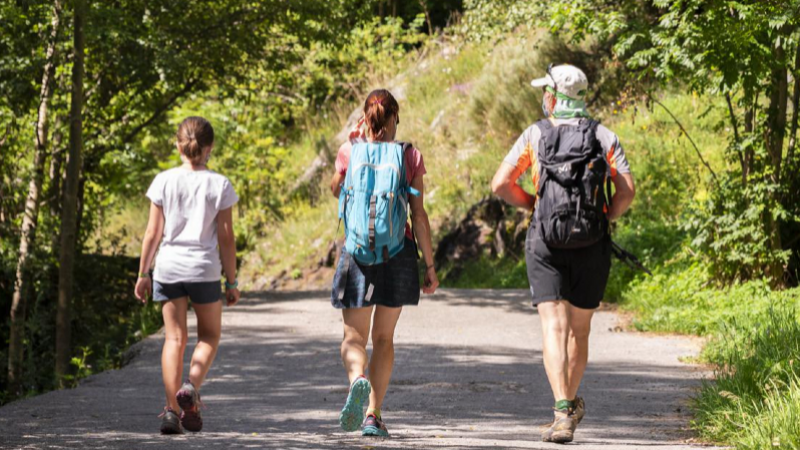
376	100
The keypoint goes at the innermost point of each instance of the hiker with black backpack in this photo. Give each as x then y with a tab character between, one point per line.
573	160
377	181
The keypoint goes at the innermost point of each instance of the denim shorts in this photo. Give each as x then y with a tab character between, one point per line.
393	284
200	293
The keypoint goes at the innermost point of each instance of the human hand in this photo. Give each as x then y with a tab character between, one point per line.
144	289
431	281
232	296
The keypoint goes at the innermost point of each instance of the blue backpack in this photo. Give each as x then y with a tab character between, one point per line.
373	201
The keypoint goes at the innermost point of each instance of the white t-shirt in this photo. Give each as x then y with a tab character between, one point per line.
191	201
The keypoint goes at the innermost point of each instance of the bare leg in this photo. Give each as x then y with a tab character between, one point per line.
382	361
209	327
175	337
555	335
354	343
580	321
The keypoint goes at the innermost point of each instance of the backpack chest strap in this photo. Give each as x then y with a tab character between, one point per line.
373	201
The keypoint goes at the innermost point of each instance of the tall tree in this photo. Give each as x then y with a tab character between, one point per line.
69	217
31	216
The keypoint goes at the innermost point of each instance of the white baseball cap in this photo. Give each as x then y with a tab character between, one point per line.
566	79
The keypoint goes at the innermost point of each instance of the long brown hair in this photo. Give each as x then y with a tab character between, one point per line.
379	108
195	134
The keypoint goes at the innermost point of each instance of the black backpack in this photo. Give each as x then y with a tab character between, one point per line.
574	189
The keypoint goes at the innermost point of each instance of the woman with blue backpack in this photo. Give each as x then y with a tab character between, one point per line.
377	181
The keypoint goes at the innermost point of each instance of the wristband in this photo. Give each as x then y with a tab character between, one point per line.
233	285
427	268
144	275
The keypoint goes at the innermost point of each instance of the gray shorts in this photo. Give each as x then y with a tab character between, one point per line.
201	292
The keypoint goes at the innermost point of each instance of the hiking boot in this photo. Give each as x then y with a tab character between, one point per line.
373	426
562	429
353	411
170	424
580	409
189	401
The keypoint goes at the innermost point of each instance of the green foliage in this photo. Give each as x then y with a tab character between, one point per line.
504	273
730	228
494	19
754	402
682	297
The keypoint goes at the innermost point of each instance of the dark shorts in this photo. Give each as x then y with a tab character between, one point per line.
198	292
576	275
393	284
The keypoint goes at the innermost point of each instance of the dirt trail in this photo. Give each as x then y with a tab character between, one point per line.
468	374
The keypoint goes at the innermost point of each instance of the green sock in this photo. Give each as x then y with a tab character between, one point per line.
376	412
565	404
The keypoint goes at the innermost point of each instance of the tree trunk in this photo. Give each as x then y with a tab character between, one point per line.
56	162
30	217
796	108
3	141
749	126
776	132
70	206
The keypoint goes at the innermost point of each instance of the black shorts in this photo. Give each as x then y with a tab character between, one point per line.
576	275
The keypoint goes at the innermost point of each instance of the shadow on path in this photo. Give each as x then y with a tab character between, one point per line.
468	374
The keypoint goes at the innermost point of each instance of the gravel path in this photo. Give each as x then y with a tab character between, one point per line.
468	374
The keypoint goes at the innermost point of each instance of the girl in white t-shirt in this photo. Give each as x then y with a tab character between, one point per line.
190	215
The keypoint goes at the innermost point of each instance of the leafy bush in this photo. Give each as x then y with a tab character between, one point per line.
106	320
493	19
730	227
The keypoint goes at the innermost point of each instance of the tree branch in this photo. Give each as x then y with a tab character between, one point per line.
160	110
736	138
696	149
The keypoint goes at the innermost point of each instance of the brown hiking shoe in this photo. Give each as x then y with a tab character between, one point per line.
580	409
562	429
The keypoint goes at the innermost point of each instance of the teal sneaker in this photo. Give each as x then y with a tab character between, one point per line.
374	426
353	412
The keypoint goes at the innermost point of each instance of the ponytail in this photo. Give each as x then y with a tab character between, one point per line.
195	134
379	108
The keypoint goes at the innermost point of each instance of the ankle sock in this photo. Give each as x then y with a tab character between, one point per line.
562	405
374	412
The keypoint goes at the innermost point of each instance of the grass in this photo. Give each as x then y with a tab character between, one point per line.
754	402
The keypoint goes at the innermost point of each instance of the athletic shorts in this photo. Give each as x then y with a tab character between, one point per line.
198	292
576	275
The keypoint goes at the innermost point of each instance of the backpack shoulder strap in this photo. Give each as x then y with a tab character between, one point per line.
589	128
544	125
407	146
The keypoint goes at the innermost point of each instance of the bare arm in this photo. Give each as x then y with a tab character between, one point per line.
422	230
152	237
227	250
624	193
504	185
336	184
